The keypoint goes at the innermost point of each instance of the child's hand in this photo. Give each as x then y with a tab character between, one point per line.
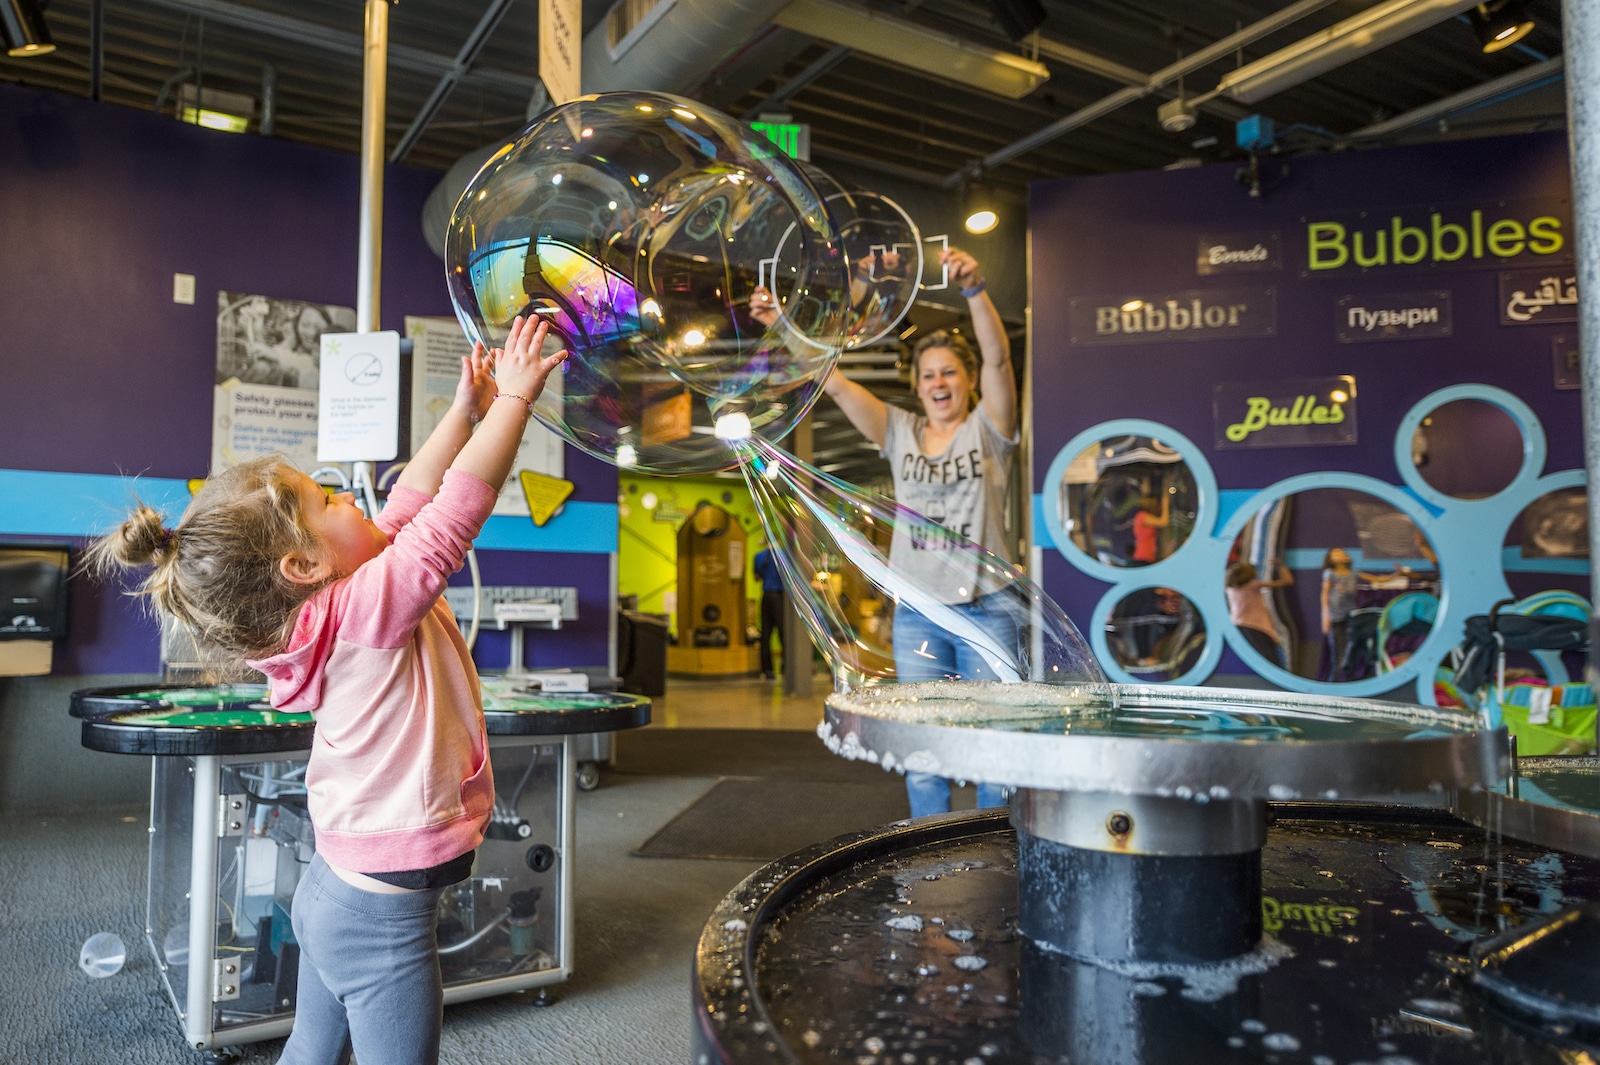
475	390
519	370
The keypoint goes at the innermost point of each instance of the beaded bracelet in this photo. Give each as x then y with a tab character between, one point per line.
968	293
513	395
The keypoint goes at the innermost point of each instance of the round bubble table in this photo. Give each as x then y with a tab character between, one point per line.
230	838
1183	875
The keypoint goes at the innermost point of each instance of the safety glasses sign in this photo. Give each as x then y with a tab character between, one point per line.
1308	412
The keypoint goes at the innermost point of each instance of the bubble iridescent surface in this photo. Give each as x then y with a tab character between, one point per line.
640	225
885	254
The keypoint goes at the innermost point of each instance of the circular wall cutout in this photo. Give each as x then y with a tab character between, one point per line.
1467	449
1331	584
1155	634
1127	501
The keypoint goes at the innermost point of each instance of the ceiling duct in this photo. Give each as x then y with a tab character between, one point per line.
668	46
942	55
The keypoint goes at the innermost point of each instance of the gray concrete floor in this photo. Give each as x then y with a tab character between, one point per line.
64	877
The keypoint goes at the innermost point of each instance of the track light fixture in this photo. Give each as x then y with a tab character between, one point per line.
23	27
1501	23
978	210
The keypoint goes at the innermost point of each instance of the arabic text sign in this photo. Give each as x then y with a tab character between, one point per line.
358	414
1538	297
1308	412
1393	316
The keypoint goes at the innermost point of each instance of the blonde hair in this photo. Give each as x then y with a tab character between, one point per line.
218	572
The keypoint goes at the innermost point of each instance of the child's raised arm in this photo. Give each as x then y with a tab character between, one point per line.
474	394
520	374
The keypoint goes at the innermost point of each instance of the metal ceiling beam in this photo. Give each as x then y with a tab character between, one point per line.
1067	55
1518	81
447	81
1106	105
782	94
342	42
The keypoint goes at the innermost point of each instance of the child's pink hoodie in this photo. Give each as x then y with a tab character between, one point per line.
399	777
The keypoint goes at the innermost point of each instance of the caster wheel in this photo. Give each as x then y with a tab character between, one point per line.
588	776
220	1056
543	997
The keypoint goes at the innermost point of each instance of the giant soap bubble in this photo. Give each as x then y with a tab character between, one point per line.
640	225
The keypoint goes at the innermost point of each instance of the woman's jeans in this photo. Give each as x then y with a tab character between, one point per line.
924	650
369	974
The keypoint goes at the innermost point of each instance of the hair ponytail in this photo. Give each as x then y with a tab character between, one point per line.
218	572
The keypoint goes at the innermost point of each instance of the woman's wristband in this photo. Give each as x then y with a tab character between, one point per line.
982	284
512	395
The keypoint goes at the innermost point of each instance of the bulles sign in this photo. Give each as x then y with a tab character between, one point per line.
1308	412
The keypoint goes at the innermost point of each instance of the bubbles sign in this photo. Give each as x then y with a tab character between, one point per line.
640	225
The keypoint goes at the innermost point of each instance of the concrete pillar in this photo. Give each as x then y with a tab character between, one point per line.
1580	27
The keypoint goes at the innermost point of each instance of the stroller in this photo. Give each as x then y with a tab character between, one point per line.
1545	624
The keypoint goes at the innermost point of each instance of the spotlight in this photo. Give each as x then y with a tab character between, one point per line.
1501	23
1176	115
980	213
22	24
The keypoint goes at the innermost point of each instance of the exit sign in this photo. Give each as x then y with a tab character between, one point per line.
792	138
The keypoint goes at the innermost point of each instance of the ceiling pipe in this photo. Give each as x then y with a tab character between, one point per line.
1527	78
1361	34
1122	97
448	81
341	42
374	95
783	93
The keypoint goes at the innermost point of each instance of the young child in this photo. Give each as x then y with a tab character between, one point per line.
1248	610
346	619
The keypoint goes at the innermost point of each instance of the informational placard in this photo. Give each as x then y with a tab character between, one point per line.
1308	412
1157	318
1537	297
544	495
358	413
438	346
1393	316
561	48
268	369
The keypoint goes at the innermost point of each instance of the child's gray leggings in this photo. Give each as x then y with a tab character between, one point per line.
369	974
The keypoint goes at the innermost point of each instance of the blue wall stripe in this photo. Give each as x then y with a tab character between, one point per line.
580	528
36	503
1041	528
39	503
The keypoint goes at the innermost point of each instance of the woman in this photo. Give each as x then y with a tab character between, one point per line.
950	465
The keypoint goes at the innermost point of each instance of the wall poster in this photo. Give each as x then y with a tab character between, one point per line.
439	346
268	368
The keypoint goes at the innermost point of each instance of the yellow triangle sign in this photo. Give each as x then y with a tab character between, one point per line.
195	484
544	494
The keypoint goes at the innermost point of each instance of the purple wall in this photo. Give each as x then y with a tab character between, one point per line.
1133	234
104	374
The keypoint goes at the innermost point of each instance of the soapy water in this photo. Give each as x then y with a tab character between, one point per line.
1133	711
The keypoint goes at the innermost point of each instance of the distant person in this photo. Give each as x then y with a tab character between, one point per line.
1339	584
765	567
1247	608
1153	516
950	462
347	619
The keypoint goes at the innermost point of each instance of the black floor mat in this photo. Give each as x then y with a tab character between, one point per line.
763	818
